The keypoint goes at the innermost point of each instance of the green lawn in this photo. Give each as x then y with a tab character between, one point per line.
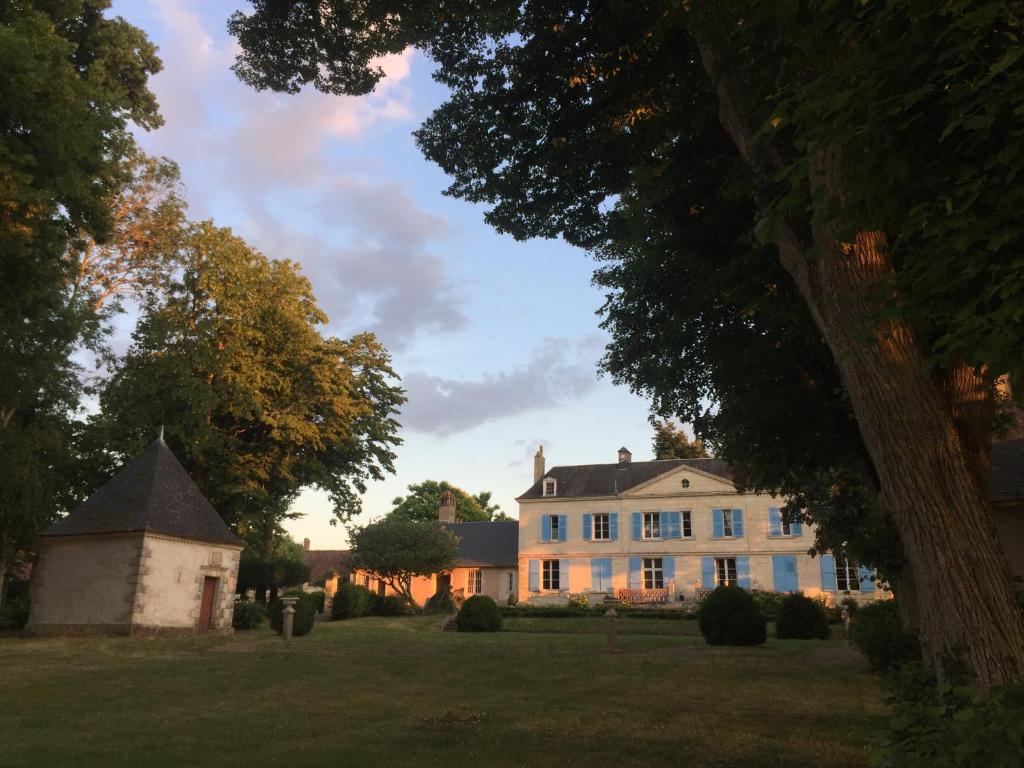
382	692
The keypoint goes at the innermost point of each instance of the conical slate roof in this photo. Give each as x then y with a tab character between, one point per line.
151	493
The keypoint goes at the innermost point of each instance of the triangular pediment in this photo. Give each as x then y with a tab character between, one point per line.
671	483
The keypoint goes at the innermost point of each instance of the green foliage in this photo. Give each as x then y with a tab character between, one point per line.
479	614
801	618
395	549
321	598
768	603
440	602
248	614
390	605
17	605
422	502
578	601
672	443
591	612
305	613
880	636
282	566
257	403
351	601
951	726
729	616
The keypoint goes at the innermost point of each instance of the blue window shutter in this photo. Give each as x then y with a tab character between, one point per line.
545	527
563	527
613	526
866	584
774	521
794	582
828	573
601	574
563	575
779	581
743	571
795	528
535	575
707	572
737	523
608	574
635	582
668	565
670	523
717	524
588	526
638	523
595	574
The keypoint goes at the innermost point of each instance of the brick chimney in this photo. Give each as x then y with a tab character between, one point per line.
538	464
446	508
305	545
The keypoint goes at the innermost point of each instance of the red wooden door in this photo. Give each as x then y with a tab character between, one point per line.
206	607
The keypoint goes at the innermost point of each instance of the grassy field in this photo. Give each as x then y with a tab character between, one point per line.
398	692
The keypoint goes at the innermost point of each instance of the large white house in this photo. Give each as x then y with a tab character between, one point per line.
664	531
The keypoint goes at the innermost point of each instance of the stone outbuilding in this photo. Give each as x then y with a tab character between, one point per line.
146	553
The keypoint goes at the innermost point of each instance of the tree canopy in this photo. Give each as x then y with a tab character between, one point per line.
671	442
422	503
824	197
395	549
255	401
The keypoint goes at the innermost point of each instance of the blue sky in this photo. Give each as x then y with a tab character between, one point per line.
496	341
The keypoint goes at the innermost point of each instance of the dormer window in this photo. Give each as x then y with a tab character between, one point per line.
550	486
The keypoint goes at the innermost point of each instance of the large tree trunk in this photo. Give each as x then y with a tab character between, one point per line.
927	473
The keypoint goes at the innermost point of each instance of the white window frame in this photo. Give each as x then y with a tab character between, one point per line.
602	524
686	524
554	528
549	487
727	524
722	571
550	576
846	568
651	526
475	582
653	573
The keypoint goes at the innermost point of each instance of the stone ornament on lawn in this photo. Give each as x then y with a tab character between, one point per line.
288	616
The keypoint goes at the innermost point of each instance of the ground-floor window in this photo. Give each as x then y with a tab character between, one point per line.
654	573
725	571
847	576
475	582
366	580
510	577
550	576
686	525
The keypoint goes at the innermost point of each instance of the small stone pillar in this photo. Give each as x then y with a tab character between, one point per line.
611	630
288	617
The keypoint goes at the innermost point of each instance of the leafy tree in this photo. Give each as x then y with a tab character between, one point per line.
255	401
284	565
71	80
395	549
423	500
672	443
853	185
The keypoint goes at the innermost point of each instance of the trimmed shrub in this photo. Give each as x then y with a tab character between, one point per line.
578	601
879	634
440	602
390	605
321	598
305	613
768	603
479	614
729	616
248	614
801	618
351	601
14	614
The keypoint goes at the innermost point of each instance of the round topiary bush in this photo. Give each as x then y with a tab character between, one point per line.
321	598
801	618
879	634
390	605
248	614
729	616
479	614
351	601
440	602
305	613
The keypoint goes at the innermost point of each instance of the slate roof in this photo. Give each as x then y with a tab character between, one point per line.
487	544
153	492
613	479
321	561
1007	473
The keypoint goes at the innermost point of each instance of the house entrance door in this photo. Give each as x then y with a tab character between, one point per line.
206	607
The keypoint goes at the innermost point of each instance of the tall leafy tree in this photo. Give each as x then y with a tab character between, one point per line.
864	173
396	549
670	442
71	82
256	402
423	499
